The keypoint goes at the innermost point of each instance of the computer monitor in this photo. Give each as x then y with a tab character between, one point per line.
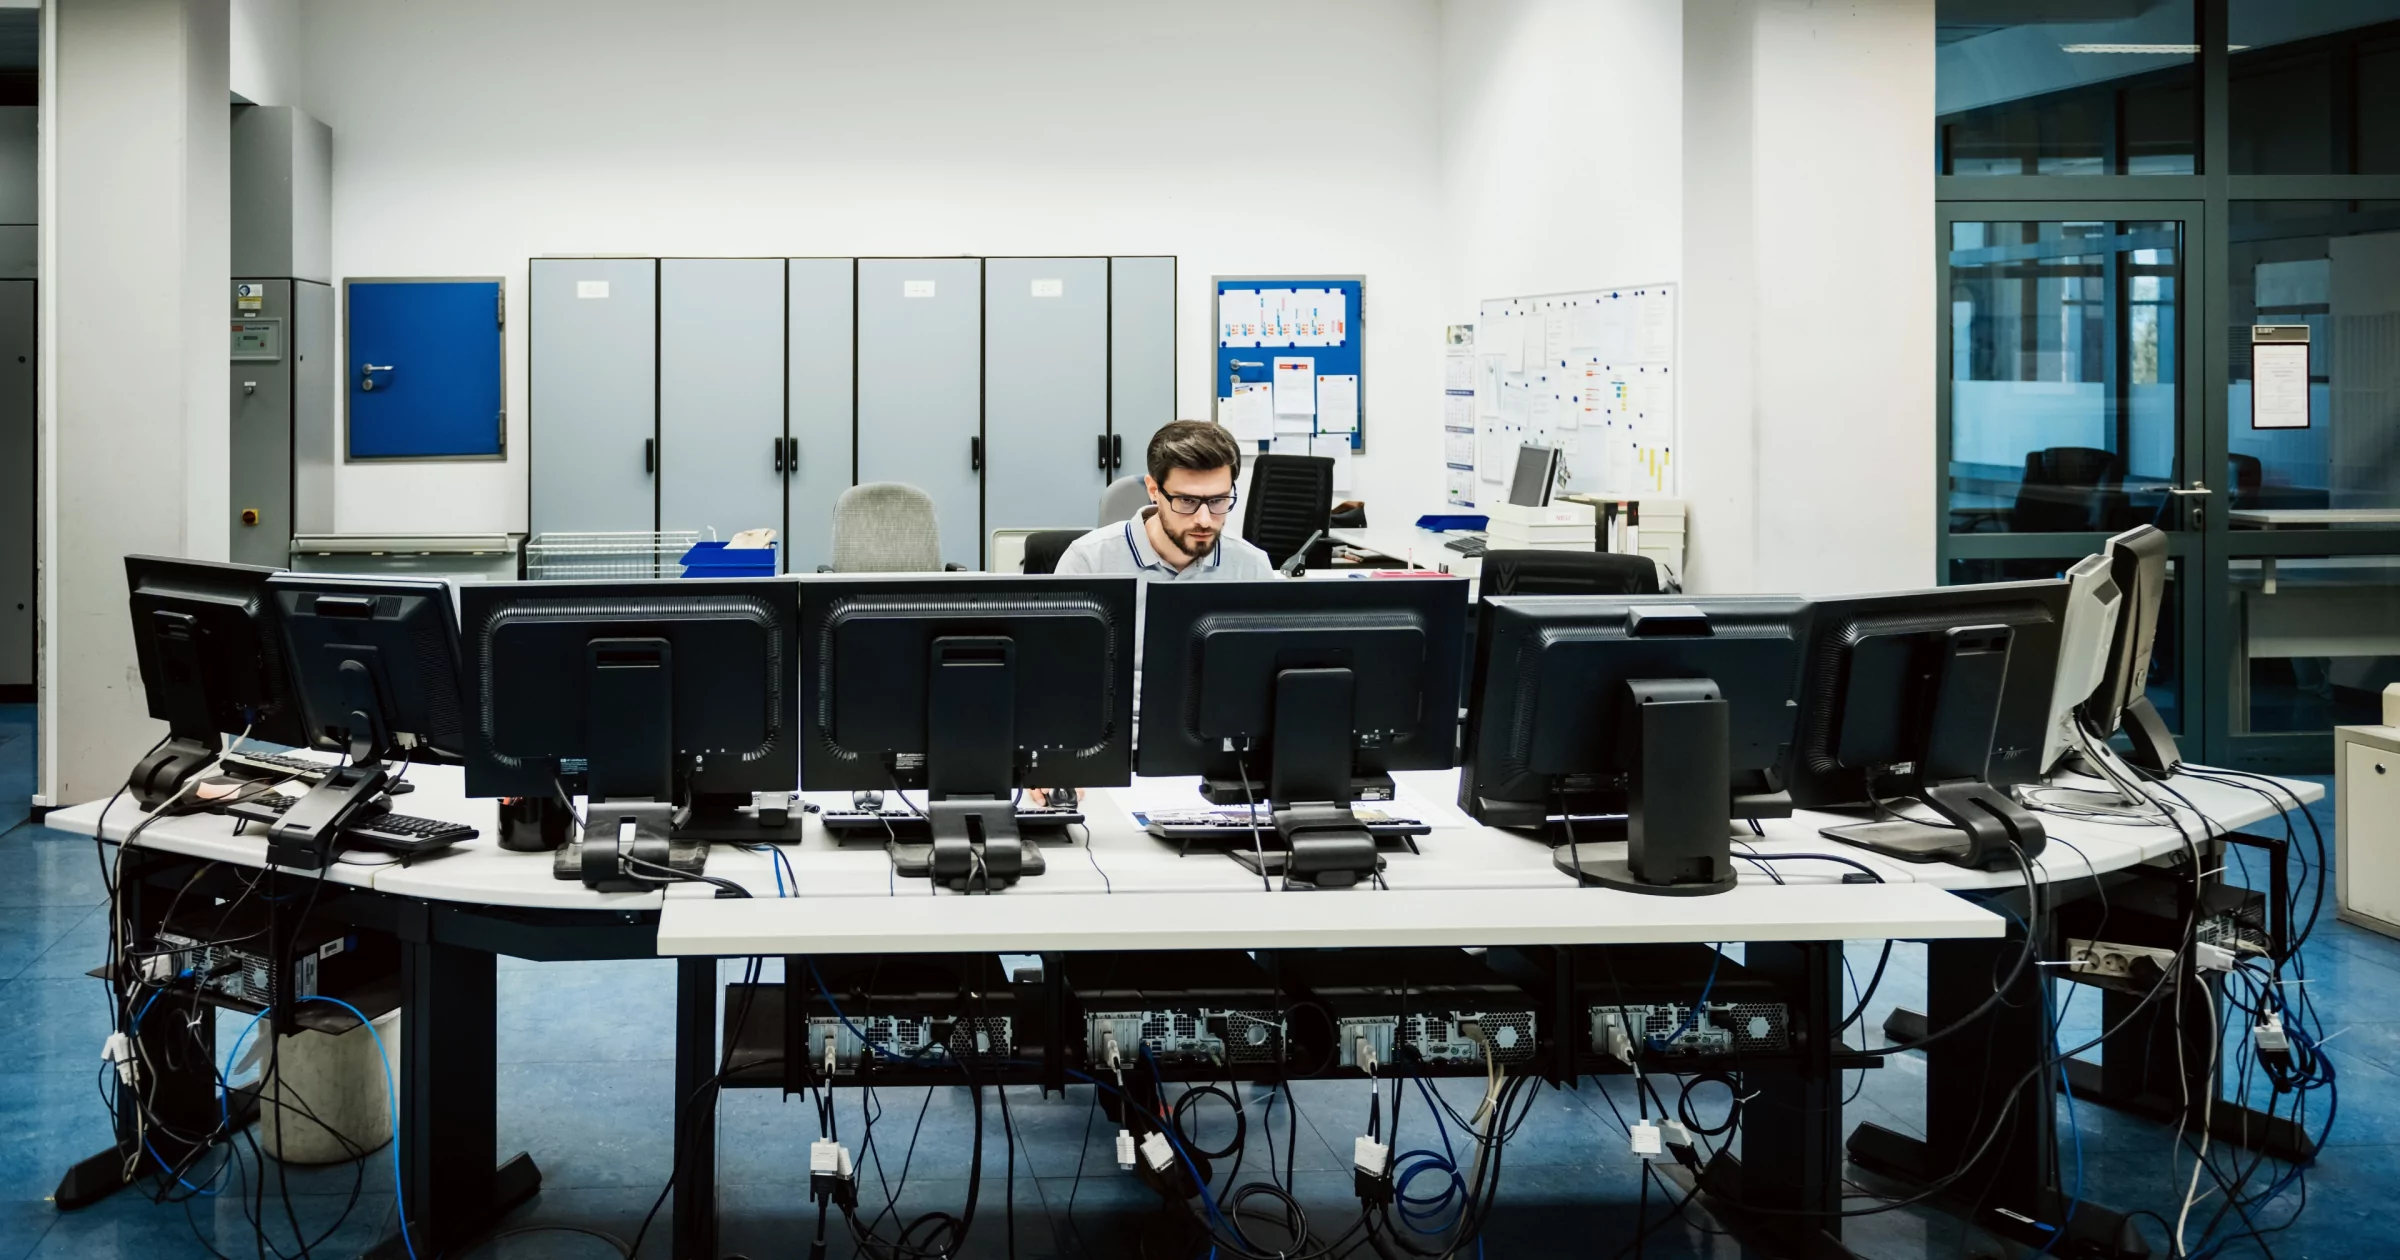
1941	695
2137	563
1537	474
969	687
1670	711
1303	696
211	660
2084	640
669	701
375	664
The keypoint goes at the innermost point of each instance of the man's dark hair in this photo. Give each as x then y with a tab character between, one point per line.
1200	445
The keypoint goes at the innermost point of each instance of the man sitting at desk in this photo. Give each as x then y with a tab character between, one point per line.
1181	536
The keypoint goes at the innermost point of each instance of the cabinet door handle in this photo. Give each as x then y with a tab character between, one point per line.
649	455
1116	446
791	455
779	454
974	454
1104	452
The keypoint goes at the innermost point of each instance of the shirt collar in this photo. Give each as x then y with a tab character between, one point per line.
1137	539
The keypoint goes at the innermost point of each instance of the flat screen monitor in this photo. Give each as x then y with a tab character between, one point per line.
1537	474
375	662
2137	563
1303	693
1941	695
2085	639
1672	712
211	661
682	692
968	687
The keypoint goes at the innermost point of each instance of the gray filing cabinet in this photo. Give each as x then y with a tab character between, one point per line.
281	418
818	399
16	488
593	381
721	451
1045	388
1141	356
2366	833
920	388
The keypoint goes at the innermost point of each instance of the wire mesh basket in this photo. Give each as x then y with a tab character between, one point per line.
584	556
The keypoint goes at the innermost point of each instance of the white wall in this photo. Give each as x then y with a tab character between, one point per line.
472	136
265	65
135	251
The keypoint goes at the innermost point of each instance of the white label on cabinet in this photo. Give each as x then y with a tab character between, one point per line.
916	288
591	288
1049	288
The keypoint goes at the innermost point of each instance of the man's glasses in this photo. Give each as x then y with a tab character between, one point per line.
1186	505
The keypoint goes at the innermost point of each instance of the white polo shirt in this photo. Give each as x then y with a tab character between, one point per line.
1125	548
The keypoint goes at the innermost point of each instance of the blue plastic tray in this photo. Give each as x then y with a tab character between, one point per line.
715	559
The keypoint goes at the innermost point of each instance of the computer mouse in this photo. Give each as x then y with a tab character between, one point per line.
868	801
1058	798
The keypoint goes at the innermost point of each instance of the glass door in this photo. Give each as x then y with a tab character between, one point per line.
2066	409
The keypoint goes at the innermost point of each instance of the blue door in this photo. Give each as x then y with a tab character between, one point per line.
424	369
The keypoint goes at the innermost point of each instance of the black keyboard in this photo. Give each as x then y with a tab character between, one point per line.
1214	827
1469	545
399	833
908	825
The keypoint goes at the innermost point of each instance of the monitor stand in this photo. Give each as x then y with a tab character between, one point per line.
1985	829
191	734
1678	798
2154	747
1310	786
970	771
631	821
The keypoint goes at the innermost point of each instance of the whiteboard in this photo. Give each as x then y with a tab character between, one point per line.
1591	373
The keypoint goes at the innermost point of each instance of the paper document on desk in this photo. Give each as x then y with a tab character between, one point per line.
1250	414
1295	386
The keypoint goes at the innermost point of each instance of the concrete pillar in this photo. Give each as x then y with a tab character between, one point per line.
135	263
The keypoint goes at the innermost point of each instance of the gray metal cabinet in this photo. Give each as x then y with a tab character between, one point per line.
1045	390
316	391
593	386
720	394
1141	356
16	486
920	388
281	422
818	415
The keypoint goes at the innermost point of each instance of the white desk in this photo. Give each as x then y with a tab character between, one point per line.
1411	547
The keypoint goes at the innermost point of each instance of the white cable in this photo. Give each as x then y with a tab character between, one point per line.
2207	1103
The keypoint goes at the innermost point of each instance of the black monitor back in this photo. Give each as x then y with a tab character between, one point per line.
401	632
867	651
2137	563
1548	712
536	659
210	655
1864	701
1212	650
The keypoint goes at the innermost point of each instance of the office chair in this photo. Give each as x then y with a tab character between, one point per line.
2066	489
885	527
1289	498
2245	476
1042	550
1123	500
1568	573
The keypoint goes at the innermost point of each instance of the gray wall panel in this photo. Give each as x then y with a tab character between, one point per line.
720	394
1141	341
920	378
819	408
16	482
1045	392
593	394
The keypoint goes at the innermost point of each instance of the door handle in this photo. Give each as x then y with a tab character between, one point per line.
779	454
367	371
974	454
1104	452
2196	488
649	455
791	455
1116	446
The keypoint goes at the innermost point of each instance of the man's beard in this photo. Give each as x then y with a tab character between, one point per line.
1191	547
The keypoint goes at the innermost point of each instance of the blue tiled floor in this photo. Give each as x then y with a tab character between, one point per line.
585	1081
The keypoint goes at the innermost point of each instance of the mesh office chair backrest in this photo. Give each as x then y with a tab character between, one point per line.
885	527
1568	573
1289	498
1124	497
1042	550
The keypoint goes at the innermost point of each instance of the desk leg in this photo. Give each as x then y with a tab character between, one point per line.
1791	1160
695	1223
449	1100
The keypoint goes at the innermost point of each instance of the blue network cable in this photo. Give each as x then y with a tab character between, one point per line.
391	1092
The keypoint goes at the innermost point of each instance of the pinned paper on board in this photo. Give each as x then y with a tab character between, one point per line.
1250	414
1295	386
1335	447
1337	404
1238	317
1657	341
